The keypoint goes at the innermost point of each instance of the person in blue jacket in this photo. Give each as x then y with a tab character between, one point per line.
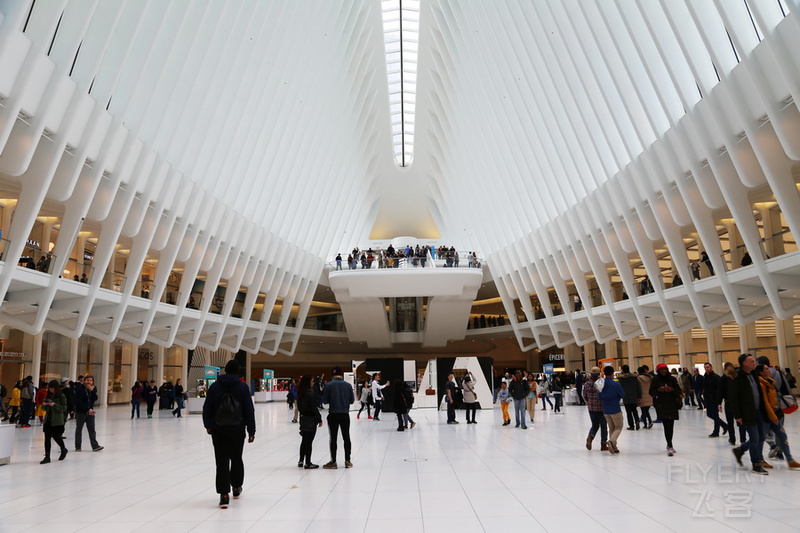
611	395
227	429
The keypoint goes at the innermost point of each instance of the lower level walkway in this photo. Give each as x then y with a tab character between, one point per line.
159	473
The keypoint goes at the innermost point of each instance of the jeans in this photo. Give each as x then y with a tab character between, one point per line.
712	412
27	412
598	421
470	408
546	398
451	411
669	428
305	445
557	398
781	439
700	400
378	406
150	405
519	412
135	407
646	418
407	419
614	426
579	390
180	406
335	422
53	432
732	423
632	414
755	440
81	419
228	447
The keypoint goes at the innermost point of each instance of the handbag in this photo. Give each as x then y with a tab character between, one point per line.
430	391
789	403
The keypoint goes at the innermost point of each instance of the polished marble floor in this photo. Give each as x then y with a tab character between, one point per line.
159	473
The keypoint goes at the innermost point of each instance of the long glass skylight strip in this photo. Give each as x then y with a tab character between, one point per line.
401	34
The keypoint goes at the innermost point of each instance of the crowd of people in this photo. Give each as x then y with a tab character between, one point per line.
416	256
54	404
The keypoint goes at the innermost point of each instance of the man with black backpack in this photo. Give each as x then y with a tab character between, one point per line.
227	412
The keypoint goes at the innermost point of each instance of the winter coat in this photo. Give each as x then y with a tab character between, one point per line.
769	400
310	416
644	386
468	388
712	388
630	385
666	393
740	396
56	414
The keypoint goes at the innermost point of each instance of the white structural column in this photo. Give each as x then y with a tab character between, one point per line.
36	357
713	344
633	350
133	352
160	365
657	348
248	370
73	359
185	368
684	340
102	383
747	337
787	349
589	356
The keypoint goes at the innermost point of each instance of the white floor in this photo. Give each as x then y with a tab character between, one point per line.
481	477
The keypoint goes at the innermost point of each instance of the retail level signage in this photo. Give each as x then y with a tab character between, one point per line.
547	369
15	356
555	357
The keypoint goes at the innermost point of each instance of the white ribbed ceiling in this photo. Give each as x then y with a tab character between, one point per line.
285	112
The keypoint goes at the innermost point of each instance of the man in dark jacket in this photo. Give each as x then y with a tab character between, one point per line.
698	385
745	398
633	396
85	396
339	396
227	429
712	392
518	388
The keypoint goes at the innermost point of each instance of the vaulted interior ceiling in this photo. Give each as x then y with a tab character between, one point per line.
537	125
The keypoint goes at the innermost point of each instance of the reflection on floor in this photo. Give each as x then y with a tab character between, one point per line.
480	477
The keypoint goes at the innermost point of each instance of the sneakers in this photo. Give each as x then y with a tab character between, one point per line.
758	469
738	453
524	427
773	452
670	451
97	449
224	500
294	421
370	418
330	466
311	466
456	422
348	464
358	416
766	464
794	465
299	464
237	492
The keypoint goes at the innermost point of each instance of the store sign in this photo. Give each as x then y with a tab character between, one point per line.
34	244
146	355
269	374
211	372
547	369
555	357
15	356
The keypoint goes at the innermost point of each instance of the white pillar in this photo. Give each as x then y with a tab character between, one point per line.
36	358
657	348
133	350
633	349
102	386
785	336
683	358
184	367
589	356
713	344
160	363
73	359
747	338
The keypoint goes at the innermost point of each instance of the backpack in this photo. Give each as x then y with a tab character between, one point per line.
229	411
25	393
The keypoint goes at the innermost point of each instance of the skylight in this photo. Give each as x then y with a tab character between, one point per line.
401	37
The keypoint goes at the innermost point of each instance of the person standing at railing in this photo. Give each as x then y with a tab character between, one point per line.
338	261
707	261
